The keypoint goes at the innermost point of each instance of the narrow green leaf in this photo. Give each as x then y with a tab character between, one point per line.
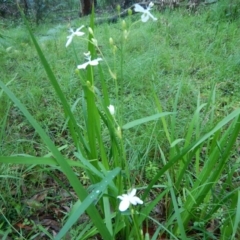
177	210
88	164
107	213
80	207
175	142
223	122
174	117
37	161
237	218
145	120
159	106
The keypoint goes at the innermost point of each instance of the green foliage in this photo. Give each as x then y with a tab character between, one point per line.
225	10
180	153
151	170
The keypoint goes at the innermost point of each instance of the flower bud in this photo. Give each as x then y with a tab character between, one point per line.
111	41
111	109
119	132
124	25
90	30
8	49
114	49
94	41
118	8
147	236
125	34
129	12
88	84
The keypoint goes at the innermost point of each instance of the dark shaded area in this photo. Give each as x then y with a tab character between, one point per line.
40	10
86	7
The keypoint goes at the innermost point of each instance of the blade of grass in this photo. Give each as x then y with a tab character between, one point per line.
107	213
145	120
29	160
188	158
3	125
177	212
173	118
237	218
159	106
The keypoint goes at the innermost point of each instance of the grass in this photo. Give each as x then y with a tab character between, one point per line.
183	63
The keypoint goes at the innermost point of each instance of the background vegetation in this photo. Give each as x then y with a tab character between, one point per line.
185	63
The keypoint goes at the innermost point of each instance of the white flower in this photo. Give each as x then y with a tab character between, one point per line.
146	12
111	109
127	199
89	61
76	33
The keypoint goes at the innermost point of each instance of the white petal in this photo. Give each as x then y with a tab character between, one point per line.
69	40
79	34
120	197
124	204
80	28
83	66
95	61
132	193
138	8
135	200
150	15
144	17
71	30
87	54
